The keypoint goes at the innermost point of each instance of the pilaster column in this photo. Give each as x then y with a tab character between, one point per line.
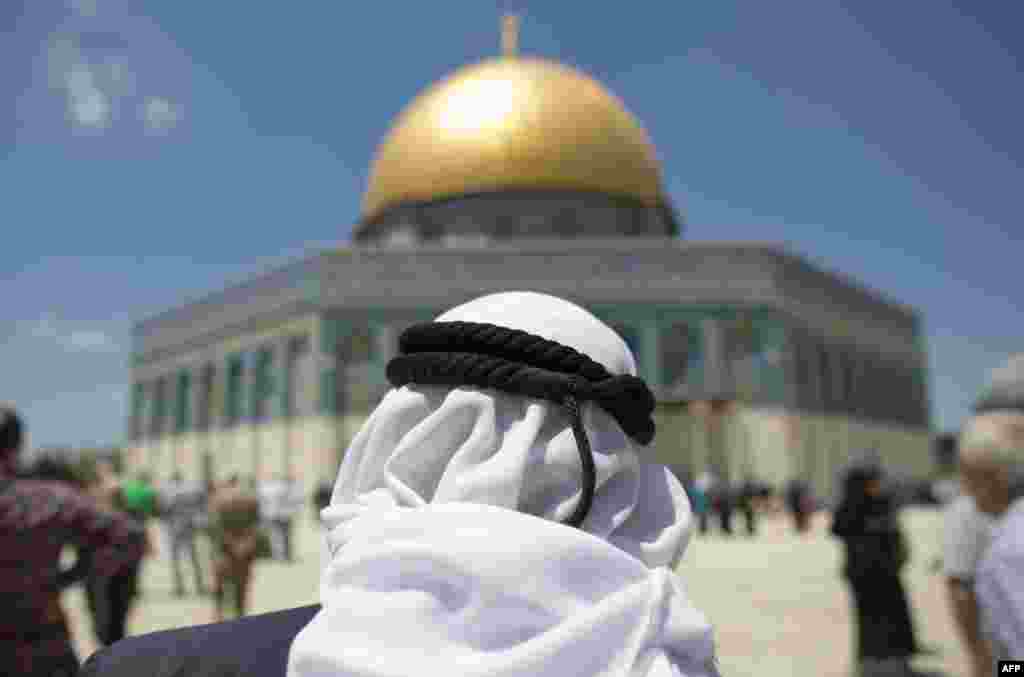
715	367
194	435
282	416
158	423
699	412
328	370
792	354
180	433
651	368
208	418
251	427
140	445
228	435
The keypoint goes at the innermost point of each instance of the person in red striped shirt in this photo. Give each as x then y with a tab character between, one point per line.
38	518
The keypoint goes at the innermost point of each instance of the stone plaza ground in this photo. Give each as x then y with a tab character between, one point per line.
777	602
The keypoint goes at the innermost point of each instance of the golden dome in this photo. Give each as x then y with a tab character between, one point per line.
512	123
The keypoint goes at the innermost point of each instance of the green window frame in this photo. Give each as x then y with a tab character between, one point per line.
233	389
182	410
136	424
159	413
262	384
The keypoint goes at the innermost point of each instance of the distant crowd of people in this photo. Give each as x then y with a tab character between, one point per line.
711	497
45	507
242	521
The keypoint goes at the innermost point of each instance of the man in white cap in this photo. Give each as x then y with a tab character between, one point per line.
494	516
991	469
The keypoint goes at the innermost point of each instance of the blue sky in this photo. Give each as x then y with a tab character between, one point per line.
156	151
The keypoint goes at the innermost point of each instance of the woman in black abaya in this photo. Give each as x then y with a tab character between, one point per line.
866	523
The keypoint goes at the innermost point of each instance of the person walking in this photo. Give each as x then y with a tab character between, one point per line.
279	503
706	485
699	505
798	502
876	552
747	497
181	507
725	501
238	541
113	595
292	508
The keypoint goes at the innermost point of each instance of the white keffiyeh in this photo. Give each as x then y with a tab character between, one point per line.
446	555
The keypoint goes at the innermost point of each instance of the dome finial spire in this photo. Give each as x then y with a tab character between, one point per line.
509	35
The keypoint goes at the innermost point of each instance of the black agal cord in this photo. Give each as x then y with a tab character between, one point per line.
519	363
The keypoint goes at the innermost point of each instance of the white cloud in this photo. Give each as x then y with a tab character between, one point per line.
90	341
88	104
160	114
111	74
50	328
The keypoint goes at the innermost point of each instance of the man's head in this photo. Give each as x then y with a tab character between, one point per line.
473	442
864	480
12	434
992	458
992	443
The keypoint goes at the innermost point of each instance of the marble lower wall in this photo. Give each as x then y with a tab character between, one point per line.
304	447
775	445
770	445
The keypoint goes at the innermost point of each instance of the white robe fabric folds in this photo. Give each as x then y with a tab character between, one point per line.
445	554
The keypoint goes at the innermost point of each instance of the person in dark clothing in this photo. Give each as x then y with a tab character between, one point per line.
699	505
238	541
322	498
37	519
110	597
798	502
182	505
255	646
866	523
726	504
746	498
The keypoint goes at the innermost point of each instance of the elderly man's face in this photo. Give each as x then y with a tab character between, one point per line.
984	478
987	485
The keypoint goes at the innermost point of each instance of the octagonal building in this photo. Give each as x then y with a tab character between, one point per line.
523	174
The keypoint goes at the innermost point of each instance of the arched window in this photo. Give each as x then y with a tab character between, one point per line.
182	400
402	236
679	347
868	387
138	411
826	400
849	366
302	382
357	346
159	411
262	383
205	415
233	406
356	387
